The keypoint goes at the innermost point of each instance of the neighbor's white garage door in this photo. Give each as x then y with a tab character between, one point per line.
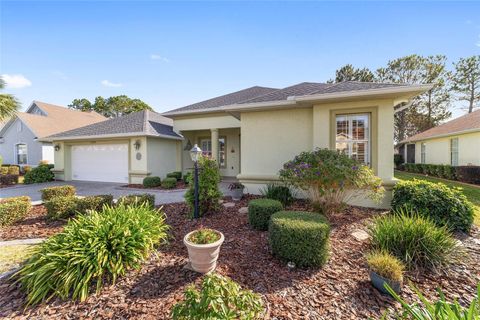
100	162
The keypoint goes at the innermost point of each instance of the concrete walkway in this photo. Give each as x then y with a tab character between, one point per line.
87	188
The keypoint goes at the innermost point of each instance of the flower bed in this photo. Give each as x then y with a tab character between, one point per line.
341	289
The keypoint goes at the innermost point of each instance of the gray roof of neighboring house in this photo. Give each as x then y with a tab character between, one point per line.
227	99
263	94
144	122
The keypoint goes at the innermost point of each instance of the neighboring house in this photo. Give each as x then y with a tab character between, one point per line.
456	142
21	137
253	132
124	149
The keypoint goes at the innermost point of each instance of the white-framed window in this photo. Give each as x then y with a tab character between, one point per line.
423	153
454	152
352	136
21	153
206	146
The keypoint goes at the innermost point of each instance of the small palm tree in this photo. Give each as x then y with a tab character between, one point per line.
8	103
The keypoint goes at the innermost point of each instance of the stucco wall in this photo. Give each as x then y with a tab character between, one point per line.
162	156
205	122
232	144
270	138
438	150
13	137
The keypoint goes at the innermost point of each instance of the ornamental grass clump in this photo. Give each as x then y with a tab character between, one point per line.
331	178
93	249
385	265
414	239
218	298
209	194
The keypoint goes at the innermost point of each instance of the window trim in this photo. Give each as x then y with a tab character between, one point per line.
351	141
16	153
373	111
206	138
423	153
456	152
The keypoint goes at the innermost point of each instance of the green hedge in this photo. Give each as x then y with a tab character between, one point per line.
260	211
300	237
3	170
59	191
93	250
13	209
188	177
444	205
68	206
137	199
151	182
169	183
39	174
437	170
176	174
8	179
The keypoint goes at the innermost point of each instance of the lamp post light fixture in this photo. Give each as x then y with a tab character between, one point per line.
195	154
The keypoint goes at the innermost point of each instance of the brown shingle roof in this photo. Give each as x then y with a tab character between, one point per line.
58	119
467	122
227	99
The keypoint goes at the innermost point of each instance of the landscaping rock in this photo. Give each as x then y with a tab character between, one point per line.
360	235
243	210
229	204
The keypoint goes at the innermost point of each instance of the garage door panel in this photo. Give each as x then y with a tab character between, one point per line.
100	162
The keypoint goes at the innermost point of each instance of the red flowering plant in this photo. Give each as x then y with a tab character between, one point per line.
331	178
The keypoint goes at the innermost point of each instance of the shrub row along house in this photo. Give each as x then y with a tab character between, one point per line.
251	133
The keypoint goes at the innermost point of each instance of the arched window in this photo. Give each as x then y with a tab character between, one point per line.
21	152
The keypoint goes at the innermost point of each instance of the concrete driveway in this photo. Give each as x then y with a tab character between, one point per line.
87	188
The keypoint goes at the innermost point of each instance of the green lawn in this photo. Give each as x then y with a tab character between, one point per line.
11	256
471	192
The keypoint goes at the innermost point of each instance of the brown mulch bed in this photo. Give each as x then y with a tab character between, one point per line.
180	185
34	225
340	290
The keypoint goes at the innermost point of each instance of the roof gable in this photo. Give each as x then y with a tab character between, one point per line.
468	122
145	122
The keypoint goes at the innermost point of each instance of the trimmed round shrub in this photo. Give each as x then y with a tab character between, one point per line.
151	182
175	174
188	177
94	249
137	200
39	174
169	183
14	170
95	203
13	209
260	211
300	237
61	207
443	205
414	239
59	191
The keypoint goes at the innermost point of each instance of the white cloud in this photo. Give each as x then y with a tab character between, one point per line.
107	83
16	81
154	56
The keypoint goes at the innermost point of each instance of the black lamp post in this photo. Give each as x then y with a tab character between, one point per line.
195	154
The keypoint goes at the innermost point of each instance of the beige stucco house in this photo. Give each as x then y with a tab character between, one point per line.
251	133
456	142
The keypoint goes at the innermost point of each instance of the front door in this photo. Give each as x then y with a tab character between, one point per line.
410	153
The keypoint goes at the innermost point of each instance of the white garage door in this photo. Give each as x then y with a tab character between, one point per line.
100	162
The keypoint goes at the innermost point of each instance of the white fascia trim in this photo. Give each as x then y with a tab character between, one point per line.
108	136
443	135
188	112
363	93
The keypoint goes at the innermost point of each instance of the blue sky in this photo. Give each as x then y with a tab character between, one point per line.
171	54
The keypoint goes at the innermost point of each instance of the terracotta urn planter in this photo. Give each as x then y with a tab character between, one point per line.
378	282
203	257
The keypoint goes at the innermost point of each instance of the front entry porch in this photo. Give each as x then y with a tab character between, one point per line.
222	145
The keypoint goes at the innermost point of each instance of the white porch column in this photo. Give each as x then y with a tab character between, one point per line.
214	143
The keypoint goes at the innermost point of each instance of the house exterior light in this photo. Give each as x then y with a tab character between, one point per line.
195	153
